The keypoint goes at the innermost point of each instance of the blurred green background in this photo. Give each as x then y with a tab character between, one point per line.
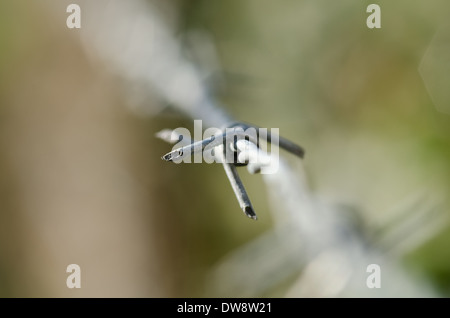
81	180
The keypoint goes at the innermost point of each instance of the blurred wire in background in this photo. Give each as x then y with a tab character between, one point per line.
82	181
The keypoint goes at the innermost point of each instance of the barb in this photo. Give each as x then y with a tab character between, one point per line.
244	148
196	147
283	143
239	190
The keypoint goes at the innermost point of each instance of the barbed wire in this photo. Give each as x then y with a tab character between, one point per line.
320	249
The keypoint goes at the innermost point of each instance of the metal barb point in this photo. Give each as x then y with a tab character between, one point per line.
248	210
167	157
230	168
239	190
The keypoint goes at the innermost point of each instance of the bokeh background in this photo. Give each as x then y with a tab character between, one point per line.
81	179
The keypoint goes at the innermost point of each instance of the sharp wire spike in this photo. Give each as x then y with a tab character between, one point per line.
239	190
284	143
230	168
193	148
